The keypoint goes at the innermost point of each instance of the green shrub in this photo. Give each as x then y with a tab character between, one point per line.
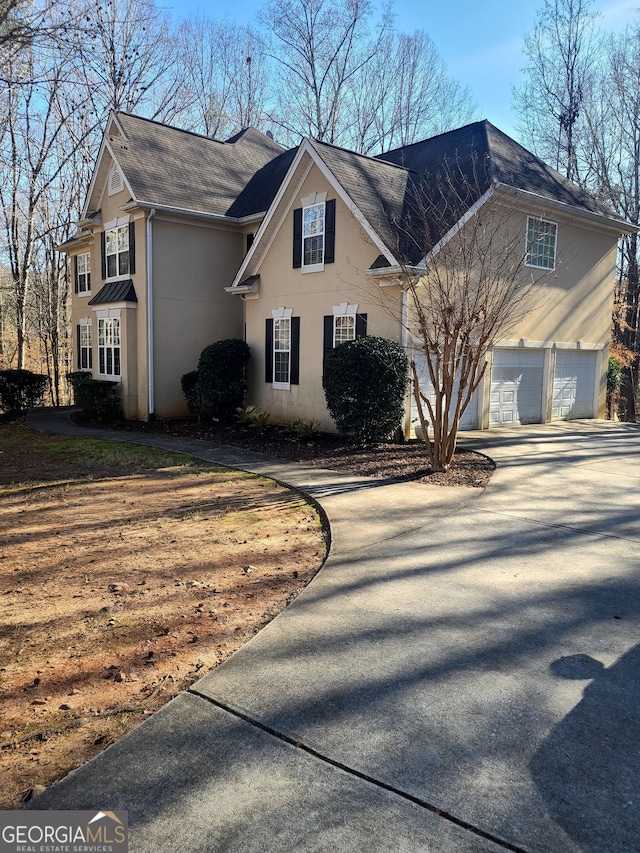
614	379
364	385
252	416
191	390
222	377
302	428
21	390
97	398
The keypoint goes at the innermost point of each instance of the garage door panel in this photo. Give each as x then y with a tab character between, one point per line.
516	387
469	419
574	385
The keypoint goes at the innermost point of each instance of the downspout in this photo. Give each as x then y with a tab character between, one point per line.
150	341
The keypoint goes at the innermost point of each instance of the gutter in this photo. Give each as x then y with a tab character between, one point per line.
195	214
150	338
570	210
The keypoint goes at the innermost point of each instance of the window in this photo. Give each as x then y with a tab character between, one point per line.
109	346
85	357
541	243
116	243
83	273
281	350
344	329
312	234
314	231
344	324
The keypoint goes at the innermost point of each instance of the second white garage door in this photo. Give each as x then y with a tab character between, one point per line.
516	387
574	384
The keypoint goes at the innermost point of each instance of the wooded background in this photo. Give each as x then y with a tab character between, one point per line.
336	70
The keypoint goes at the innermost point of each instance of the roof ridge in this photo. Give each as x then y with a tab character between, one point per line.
376	158
170	127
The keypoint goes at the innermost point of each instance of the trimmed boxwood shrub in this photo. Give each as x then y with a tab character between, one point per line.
21	390
191	390
222	377
98	398
364	383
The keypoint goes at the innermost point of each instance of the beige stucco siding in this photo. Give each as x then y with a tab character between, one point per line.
192	264
311	296
573	302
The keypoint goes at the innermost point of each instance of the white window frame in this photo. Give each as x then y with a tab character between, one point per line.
117	228
281	319
340	313
83	277
109	331
316	200
85	345
533	221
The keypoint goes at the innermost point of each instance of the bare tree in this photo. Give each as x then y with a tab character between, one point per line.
225	79
128	60
406	94
319	47
561	53
614	151
467	292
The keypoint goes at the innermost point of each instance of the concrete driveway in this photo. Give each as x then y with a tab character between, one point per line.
462	675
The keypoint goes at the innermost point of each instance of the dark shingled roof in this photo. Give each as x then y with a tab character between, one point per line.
176	168
410	196
115	291
479	154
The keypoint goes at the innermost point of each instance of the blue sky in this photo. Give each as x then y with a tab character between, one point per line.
481	40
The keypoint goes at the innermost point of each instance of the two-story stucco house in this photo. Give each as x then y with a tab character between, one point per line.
186	240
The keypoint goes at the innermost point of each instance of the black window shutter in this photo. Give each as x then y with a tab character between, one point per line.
132	248
330	231
327	338
361	325
297	237
78	345
250	241
75	274
294	377
268	352
103	255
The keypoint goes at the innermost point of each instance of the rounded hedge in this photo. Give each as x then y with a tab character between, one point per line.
222	377
364	383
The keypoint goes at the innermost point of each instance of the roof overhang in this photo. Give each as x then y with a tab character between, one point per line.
306	157
572	211
192	214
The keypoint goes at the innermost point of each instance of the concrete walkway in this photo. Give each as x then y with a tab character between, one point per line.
462	675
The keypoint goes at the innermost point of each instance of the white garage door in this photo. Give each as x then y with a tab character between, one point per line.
469	419
574	385
516	387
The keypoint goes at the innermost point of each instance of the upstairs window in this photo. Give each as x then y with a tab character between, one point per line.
314	231
313	234
118	249
542	238
116	243
83	273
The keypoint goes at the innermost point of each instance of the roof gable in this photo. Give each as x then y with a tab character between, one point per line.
176	168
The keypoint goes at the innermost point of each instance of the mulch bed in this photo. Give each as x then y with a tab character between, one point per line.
385	460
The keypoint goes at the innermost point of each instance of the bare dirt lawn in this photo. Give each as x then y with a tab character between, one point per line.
125	574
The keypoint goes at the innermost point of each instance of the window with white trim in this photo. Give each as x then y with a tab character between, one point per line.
542	235
313	234
281	351
116	245
344	328
109	346
85	357
83	272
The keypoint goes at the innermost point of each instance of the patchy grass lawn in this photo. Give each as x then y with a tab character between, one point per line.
125	574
